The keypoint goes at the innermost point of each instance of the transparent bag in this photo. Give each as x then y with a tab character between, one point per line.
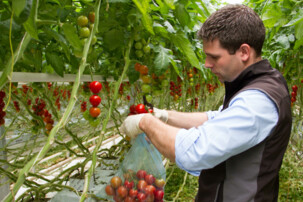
141	175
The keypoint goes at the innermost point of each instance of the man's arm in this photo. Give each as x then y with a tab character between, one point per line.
186	119
162	136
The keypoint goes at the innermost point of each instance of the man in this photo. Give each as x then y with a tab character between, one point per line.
237	150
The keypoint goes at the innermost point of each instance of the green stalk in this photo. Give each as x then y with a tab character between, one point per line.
101	136
181	188
62	122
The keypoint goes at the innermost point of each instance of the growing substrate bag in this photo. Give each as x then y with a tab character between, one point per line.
140	177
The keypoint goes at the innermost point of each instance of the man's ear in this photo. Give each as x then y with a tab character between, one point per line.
245	52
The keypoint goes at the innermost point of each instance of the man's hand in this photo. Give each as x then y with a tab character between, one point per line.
161	114
130	125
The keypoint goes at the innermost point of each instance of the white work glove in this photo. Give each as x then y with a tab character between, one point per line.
130	125
161	114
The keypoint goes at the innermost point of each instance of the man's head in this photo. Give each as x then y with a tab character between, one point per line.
234	25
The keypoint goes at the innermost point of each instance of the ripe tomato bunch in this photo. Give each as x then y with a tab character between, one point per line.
196	103
2	104
139	109
83	106
17	106
136	186
294	94
175	89
95	87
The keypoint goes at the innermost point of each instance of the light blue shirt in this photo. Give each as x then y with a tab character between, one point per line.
247	121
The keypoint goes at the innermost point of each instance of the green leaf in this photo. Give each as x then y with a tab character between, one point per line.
199	10
299	30
113	39
185	46
296	19
56	62
159	29
60	39
18	6
272	15
182	15
162	60
143	6
72	37
30	25
283	41
170	4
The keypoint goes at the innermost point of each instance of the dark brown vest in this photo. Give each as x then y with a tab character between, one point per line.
232	180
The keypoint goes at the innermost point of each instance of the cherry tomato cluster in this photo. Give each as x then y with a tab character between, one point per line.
85	23
294	94
83	106
139	109
17	106
38	107
211	87
137	186
175	89
49	122
141	46
57	103
95	87
196	102
2	104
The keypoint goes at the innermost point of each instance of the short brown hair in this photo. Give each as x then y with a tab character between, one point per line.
234	25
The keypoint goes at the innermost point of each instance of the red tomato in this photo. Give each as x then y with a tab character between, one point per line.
294	88
141	196
95	100
122	192
150	190
128	184
129	199
141	185
133	193
95	87
150	179
137	66
140	108
293	94
91	16
141	174
94	111
109	190
132	109
116	181
159	194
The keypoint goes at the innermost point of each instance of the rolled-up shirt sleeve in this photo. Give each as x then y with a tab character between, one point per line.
241	126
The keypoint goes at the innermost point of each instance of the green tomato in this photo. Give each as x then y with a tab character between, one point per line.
78	54
164	83
94	40
149	98
137	37
138	46
82	21
139	53
146	88
84	32
146	49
